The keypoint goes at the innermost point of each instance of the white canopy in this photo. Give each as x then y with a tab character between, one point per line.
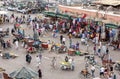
3	12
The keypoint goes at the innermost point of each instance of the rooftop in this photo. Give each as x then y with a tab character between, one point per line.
109	2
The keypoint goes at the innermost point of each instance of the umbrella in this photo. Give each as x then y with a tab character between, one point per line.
23	73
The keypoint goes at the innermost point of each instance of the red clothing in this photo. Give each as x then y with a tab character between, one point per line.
30	48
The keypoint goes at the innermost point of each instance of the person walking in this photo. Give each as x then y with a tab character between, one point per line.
70	43
107	50
40	57
99	51
102	69
39	31
28	58
93	70
40	74
66	59
72	65
94	48
61	38
16	43
53	62
38	60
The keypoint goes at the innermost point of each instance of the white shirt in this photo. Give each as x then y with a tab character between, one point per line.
110	78
100	44
16	43
96	40
104	49
64	39
102	69
51	26
37	26
1	29
92	68
70	60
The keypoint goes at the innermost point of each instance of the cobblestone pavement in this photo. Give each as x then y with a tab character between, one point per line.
47	71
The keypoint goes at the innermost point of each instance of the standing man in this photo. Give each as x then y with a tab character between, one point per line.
53	62
16	43
73	64
94	48
40	74
99	51
102	69
93	70
61	38
38	60
40	57
28	58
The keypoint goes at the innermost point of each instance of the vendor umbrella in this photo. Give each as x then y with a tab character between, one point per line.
23	73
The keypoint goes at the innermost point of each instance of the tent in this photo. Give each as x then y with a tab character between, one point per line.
51	14
65	16
3	12
58	15
23	73
110	24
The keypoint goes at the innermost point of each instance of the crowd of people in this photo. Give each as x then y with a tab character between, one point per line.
78	28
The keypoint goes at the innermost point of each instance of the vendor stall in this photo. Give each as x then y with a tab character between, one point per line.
44	45
71	52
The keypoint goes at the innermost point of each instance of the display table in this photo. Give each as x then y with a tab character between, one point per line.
71	52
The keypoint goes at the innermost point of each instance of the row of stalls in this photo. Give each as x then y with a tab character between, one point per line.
56	15
107	25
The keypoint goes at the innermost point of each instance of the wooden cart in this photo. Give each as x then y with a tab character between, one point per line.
44	45
71	52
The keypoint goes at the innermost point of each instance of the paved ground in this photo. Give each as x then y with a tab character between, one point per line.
47	71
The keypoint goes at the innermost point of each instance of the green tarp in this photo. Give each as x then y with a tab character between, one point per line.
63	16
59	15
108	25
51	14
